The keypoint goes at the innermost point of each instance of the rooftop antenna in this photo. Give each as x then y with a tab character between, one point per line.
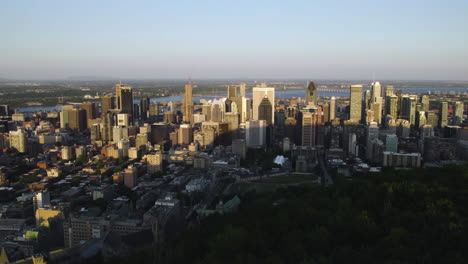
373	77
120	81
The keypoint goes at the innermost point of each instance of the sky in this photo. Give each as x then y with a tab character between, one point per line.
311	39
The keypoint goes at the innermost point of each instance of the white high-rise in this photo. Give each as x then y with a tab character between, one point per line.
332	108
258	95
18	140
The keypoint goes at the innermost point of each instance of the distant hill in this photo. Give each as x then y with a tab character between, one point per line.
90	78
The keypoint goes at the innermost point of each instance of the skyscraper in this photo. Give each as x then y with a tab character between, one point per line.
77	119
389	90
255	133
90	112
443	114
309	129
376	91
188	103
154	112
232	91
124	98
217	111
242	89
185	134
265	111
259	95
408	109
332	108
458	113
18	140
355	107
144	107
376	101
311	93
425	103
107	103
64	116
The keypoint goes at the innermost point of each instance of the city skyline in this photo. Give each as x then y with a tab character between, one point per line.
391	41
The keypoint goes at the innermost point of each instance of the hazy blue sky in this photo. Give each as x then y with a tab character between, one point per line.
235	39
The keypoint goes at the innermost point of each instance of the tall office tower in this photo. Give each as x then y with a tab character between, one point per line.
233	120
217	110
141	140
18	140
376	101
64	116
403	128
242	89
376	111
2	145
185	134
154	162
144	107
311	93
153	112
309	129
391	143
352	145
107	103
355	107
255	133
188	103
95	133
265	111
123	120
408	109
123	146
4	110
159	133
458	113
432	118
232	91
391	106
332	108
389	90
420	119
106	130
399	95
372	134
260	96
124	99
443	114
326	113
136	112
206	110
41	200
90	112
118	133
77	119
425	103
171	106
169	117
376	91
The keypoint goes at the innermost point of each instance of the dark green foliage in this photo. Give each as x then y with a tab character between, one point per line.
415	216
81	159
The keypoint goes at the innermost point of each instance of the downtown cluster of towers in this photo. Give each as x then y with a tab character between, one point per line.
264	120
